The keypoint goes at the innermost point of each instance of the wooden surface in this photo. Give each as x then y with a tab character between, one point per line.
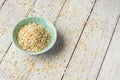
87	46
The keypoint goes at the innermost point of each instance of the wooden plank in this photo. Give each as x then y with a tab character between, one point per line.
16	65
1	3
10	14
51	66
111	67
93	43
48	9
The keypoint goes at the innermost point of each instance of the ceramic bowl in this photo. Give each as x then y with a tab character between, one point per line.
45	23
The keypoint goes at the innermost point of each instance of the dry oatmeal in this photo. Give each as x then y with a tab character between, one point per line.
33	37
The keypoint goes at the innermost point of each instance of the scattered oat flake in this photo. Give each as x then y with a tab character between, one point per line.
10	5
3	31
82	70
21	77
76	78
79	62
25	2
62	65
72	70
44	69
37	70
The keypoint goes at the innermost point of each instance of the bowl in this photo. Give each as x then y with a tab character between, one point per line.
38	20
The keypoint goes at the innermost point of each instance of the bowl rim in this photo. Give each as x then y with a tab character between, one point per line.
35	52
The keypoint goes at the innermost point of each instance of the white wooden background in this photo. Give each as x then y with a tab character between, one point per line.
87	47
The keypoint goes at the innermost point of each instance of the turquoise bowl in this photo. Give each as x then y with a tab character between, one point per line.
45	23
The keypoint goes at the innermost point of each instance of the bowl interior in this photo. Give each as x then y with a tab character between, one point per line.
46	24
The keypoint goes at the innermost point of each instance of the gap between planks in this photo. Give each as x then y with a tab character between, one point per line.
11	42
59	12
3	4
107	48
6	52
79	38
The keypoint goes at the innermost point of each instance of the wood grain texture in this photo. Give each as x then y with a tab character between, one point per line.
85	52
10	14
48	65
111	67
51	66
93	43
16	65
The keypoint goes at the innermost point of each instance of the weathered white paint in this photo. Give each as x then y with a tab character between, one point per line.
48	9
111	66
16	65
51	66
92	46
10	14
56	59
69	24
